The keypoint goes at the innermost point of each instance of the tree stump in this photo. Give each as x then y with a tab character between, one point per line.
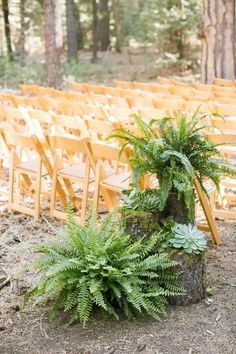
176	207
139	223
192	279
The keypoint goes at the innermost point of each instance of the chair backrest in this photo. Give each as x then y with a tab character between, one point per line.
76	86
169	104
101	151
224	82
120	114
100	130
143	86
202	87
225	125
29	89
99	99
72	125
157	88
68	107
47	103
123	84
93	111
20	141
152	113
226	110
66	143
41	116
226	139
203	107
140	102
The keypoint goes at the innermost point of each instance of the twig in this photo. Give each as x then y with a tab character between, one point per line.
5	282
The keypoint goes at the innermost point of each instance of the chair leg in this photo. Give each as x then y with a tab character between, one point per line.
97	187
85	193
38	190
11	181
54	190
18	187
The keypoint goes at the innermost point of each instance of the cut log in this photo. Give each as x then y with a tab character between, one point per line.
192	279
139	223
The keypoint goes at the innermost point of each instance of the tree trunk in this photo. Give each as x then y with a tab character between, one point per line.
104	25
219	40
116	11
22	33
176	207
5	9
80	35
71	25
192	279
95	31
53	42
138	224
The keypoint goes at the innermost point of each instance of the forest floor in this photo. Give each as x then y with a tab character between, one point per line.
208	327
129	65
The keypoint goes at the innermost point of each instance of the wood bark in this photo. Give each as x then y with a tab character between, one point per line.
95	31
192	279
117	25
71	26
5	9
139	224
176	207
219	40
22	33
104	25
53	43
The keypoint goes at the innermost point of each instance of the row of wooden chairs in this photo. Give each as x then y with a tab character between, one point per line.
140	94
166	108
42	122
75	161
182	90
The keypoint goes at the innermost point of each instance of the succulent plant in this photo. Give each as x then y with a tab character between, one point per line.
189	238
147	200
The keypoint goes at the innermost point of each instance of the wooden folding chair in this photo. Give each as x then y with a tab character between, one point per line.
224	82
47	103
99	99
228	149
93	111
78	172
152	113
70	125
142	86
108	179
29	89
123	84
160	89
169	104
99	131
121	114
22	166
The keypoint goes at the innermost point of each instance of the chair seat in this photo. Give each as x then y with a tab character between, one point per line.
76	171
117	181
31	166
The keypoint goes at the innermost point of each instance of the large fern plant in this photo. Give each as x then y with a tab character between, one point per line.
98	266
175	150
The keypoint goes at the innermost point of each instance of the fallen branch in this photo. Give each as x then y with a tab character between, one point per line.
5	282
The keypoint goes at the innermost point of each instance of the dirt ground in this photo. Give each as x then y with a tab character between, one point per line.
205	328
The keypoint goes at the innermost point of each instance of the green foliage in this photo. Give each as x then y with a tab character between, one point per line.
188	238
175	151
147	200
98	266
13	74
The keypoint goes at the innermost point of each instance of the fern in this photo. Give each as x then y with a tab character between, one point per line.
98	266
175	150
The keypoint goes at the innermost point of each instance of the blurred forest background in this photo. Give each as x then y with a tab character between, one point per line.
100	40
